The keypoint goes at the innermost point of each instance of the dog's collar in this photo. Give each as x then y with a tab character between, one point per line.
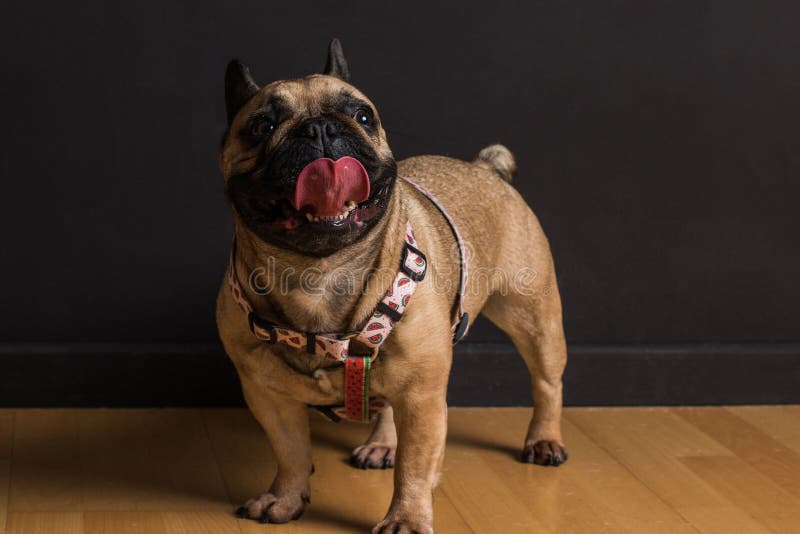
379	325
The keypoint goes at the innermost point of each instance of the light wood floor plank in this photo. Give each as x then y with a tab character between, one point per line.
6	433
747	489
650	443
6	439
768	456
45	523
590	493
201	523
69	460
150	460
47	472
781	423
652	428
724	519
192	522
491	489
5	476
121	522
614	494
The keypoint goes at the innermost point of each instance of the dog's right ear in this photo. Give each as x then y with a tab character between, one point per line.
239	88
336	64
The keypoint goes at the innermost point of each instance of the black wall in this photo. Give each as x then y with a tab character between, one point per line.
659	143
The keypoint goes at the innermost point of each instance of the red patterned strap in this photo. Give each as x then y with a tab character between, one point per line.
387	313
356	387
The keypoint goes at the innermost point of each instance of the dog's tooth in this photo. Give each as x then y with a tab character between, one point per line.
350	205
309	217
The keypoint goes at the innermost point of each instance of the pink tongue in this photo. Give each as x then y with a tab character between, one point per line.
325	185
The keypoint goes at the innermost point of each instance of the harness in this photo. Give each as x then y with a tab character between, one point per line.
389	311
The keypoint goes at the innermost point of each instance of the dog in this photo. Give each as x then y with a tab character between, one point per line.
329	229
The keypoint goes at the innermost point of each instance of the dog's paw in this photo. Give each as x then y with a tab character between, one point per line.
544	452
373	456
402	526
269	508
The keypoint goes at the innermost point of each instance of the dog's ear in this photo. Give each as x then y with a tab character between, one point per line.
336	64
239	88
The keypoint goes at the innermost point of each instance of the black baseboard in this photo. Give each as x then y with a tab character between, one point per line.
483	375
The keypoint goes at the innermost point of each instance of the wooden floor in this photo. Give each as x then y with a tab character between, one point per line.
649	470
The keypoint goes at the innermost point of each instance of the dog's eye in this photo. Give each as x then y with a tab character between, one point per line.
262	127
363	117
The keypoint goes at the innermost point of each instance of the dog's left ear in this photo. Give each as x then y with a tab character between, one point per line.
336	64
239	88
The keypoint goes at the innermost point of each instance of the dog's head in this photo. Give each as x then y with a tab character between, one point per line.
305	161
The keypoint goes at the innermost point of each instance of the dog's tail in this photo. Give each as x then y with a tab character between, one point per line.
498	159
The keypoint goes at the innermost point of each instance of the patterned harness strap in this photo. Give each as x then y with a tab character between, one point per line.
380	324
461	324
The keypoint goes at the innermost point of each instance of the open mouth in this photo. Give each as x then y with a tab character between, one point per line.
326	205
327	195
330	194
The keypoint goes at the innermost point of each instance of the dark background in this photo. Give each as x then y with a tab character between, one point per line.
658	142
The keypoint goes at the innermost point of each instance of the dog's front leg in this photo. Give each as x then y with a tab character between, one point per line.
285	421
420	412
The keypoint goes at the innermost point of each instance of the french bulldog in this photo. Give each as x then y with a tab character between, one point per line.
322	215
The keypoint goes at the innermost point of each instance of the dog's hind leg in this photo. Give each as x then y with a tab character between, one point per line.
379	450
532	318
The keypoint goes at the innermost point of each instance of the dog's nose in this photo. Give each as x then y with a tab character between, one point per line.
320	129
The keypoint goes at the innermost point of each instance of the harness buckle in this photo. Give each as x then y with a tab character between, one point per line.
254	321
371	352
393	314
414	275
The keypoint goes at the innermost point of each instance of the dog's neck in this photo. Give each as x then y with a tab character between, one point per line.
334	294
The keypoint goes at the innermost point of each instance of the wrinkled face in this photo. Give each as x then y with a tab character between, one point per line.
306	162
